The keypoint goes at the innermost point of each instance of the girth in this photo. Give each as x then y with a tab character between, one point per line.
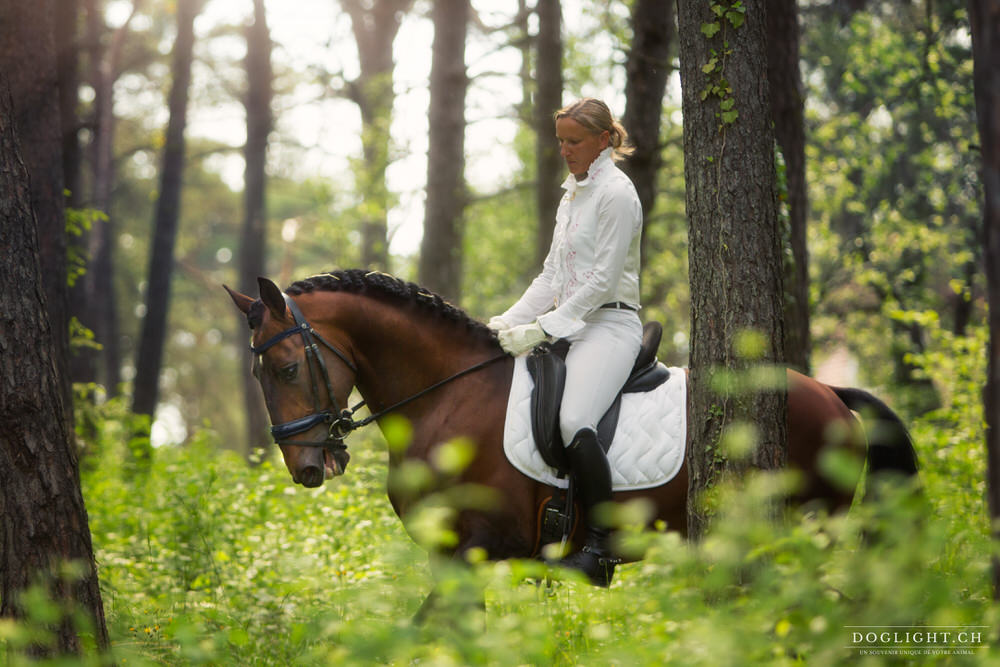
547	366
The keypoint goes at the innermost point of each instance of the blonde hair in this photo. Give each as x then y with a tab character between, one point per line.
595	116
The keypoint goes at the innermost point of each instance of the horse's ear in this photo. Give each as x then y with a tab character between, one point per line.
272	297
242	301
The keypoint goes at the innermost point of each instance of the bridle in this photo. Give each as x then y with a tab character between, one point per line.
340	421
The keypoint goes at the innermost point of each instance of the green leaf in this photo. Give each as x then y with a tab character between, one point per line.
709	67
710	29
729	117
735	18
727	103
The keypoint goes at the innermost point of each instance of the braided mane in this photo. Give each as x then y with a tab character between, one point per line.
375	283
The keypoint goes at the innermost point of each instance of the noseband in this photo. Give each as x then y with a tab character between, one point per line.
341	421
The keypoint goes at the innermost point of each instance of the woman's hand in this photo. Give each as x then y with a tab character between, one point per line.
497	323
520	339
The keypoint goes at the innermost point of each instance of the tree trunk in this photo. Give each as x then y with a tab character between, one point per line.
441	247
43	521
253	239
375	24
94	301
29	58
523	42
984	20
67	16
161	262
787	100
646	80
548	100
734	245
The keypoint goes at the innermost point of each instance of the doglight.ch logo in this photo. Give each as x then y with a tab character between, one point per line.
917	640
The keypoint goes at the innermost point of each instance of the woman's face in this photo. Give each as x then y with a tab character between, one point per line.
579	146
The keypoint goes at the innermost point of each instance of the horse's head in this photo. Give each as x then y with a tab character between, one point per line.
302	389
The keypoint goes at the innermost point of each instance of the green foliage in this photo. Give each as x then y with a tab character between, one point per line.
78	222
205	560
894	193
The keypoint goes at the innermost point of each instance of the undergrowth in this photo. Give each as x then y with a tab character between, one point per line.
205	560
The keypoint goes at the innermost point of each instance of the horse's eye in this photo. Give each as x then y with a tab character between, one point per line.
288	373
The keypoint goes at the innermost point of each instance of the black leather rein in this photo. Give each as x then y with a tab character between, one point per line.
341	421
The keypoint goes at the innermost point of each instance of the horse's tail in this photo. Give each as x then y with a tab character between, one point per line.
890	448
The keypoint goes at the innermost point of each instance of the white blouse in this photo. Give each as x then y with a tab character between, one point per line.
594	256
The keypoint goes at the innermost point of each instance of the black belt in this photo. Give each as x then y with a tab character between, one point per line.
619	305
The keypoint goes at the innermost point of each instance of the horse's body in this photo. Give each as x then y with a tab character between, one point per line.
402	340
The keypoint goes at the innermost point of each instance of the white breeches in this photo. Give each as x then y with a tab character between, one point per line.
598	363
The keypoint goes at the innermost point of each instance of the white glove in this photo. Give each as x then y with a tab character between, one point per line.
497	323
520	339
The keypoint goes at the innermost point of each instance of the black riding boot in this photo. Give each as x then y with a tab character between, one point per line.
592	477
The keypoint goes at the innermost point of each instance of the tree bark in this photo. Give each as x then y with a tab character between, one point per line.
375	25
787	103
260	121
441	248
29	58
548	100
646	75
984	20
734	244
161	262
43	521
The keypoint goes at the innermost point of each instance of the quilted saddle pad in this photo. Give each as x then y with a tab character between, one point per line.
648	447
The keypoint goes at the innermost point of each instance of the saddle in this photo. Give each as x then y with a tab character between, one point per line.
547	366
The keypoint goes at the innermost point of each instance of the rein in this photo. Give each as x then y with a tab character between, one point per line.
341	421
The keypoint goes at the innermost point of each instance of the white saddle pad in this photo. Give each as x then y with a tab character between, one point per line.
648	448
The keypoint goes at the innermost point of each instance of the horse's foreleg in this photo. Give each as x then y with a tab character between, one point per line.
426	608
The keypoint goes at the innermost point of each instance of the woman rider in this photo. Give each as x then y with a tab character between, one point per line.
587	293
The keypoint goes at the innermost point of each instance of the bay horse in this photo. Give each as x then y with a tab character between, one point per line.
409	352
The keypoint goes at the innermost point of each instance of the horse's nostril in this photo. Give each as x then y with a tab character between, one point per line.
311	476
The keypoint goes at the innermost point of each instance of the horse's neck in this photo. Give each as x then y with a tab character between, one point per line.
401	353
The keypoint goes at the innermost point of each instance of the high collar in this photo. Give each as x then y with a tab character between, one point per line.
600	164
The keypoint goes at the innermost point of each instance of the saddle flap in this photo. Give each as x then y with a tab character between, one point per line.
547	366
548	370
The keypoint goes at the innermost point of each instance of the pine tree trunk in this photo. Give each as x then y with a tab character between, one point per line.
94	301
28	56
984	20
548	100
787	104
441	247
43	521
161	263
67	16
253	239
734	244
646	81
375	25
